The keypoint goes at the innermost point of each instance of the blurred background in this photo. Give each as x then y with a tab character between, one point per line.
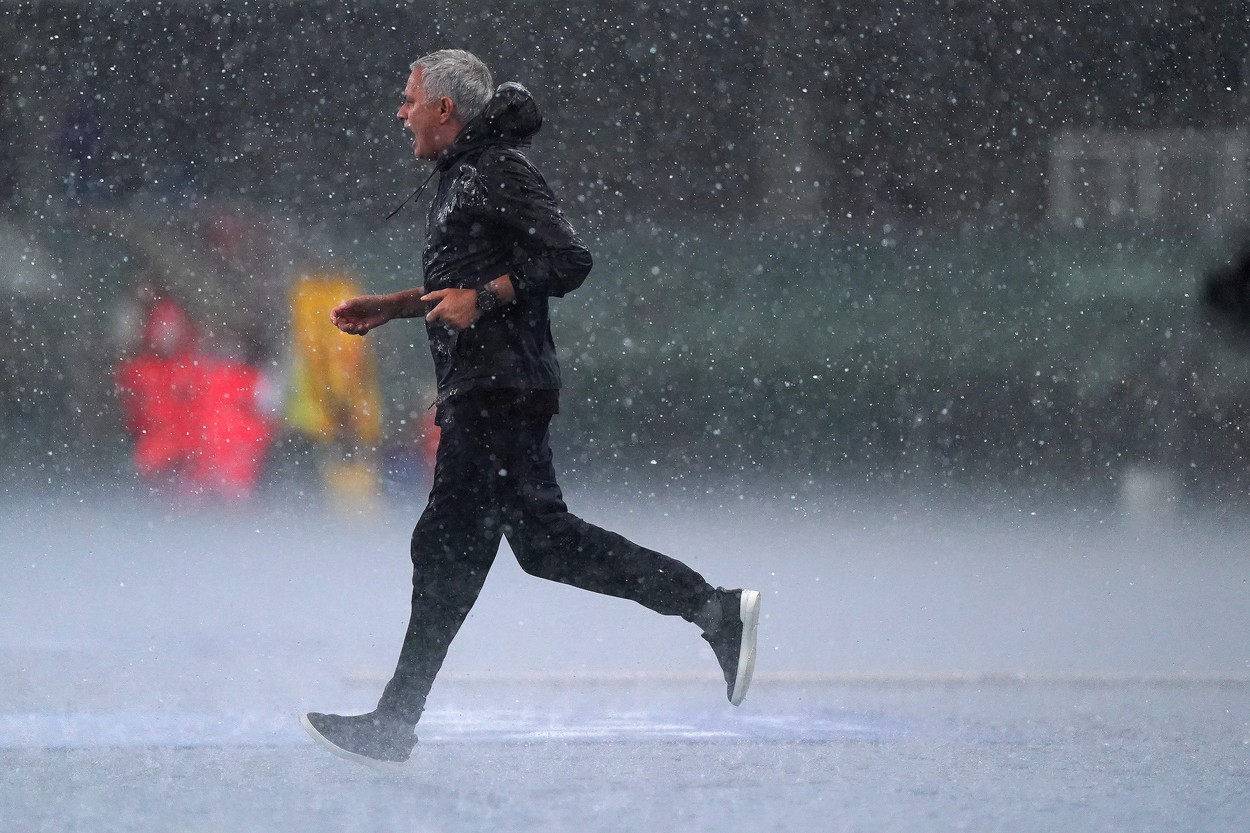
930	319
991	248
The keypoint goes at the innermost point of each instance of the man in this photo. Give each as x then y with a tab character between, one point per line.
498	248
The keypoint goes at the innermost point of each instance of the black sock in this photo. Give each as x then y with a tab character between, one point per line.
709	616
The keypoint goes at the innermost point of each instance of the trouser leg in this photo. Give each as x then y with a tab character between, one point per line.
493	477
552	543
453	547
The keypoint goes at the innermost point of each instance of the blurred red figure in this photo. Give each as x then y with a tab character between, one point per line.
194	417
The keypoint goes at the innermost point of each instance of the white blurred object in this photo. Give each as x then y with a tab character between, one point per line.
26	268
1149	496
270	393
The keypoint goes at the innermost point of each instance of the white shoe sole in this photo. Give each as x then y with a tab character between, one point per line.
749	610
340	752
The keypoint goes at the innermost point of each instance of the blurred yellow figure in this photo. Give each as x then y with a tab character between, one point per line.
335	398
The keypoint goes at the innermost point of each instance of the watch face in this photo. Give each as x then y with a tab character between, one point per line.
487	300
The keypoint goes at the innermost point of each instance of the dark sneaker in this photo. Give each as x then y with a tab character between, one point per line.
734	640
364	738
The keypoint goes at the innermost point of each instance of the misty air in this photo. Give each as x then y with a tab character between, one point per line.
601	416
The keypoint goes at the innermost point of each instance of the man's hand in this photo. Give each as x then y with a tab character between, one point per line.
455	309
359	315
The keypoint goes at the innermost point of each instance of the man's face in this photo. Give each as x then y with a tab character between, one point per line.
424	119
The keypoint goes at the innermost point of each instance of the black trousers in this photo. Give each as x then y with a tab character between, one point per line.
493	477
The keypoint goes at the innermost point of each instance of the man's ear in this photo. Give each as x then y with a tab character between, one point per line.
446	110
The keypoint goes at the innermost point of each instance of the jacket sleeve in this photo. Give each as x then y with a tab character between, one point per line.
547	257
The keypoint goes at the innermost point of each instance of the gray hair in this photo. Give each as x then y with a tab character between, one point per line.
460	76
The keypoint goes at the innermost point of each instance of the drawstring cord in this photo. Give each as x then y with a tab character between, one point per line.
413	195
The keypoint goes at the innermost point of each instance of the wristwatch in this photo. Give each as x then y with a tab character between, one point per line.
487	300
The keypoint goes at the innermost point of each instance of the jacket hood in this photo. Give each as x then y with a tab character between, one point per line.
511	117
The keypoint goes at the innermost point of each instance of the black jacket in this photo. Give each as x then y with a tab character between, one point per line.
494	215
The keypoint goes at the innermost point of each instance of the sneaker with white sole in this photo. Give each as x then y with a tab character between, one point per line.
364	738
734	640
